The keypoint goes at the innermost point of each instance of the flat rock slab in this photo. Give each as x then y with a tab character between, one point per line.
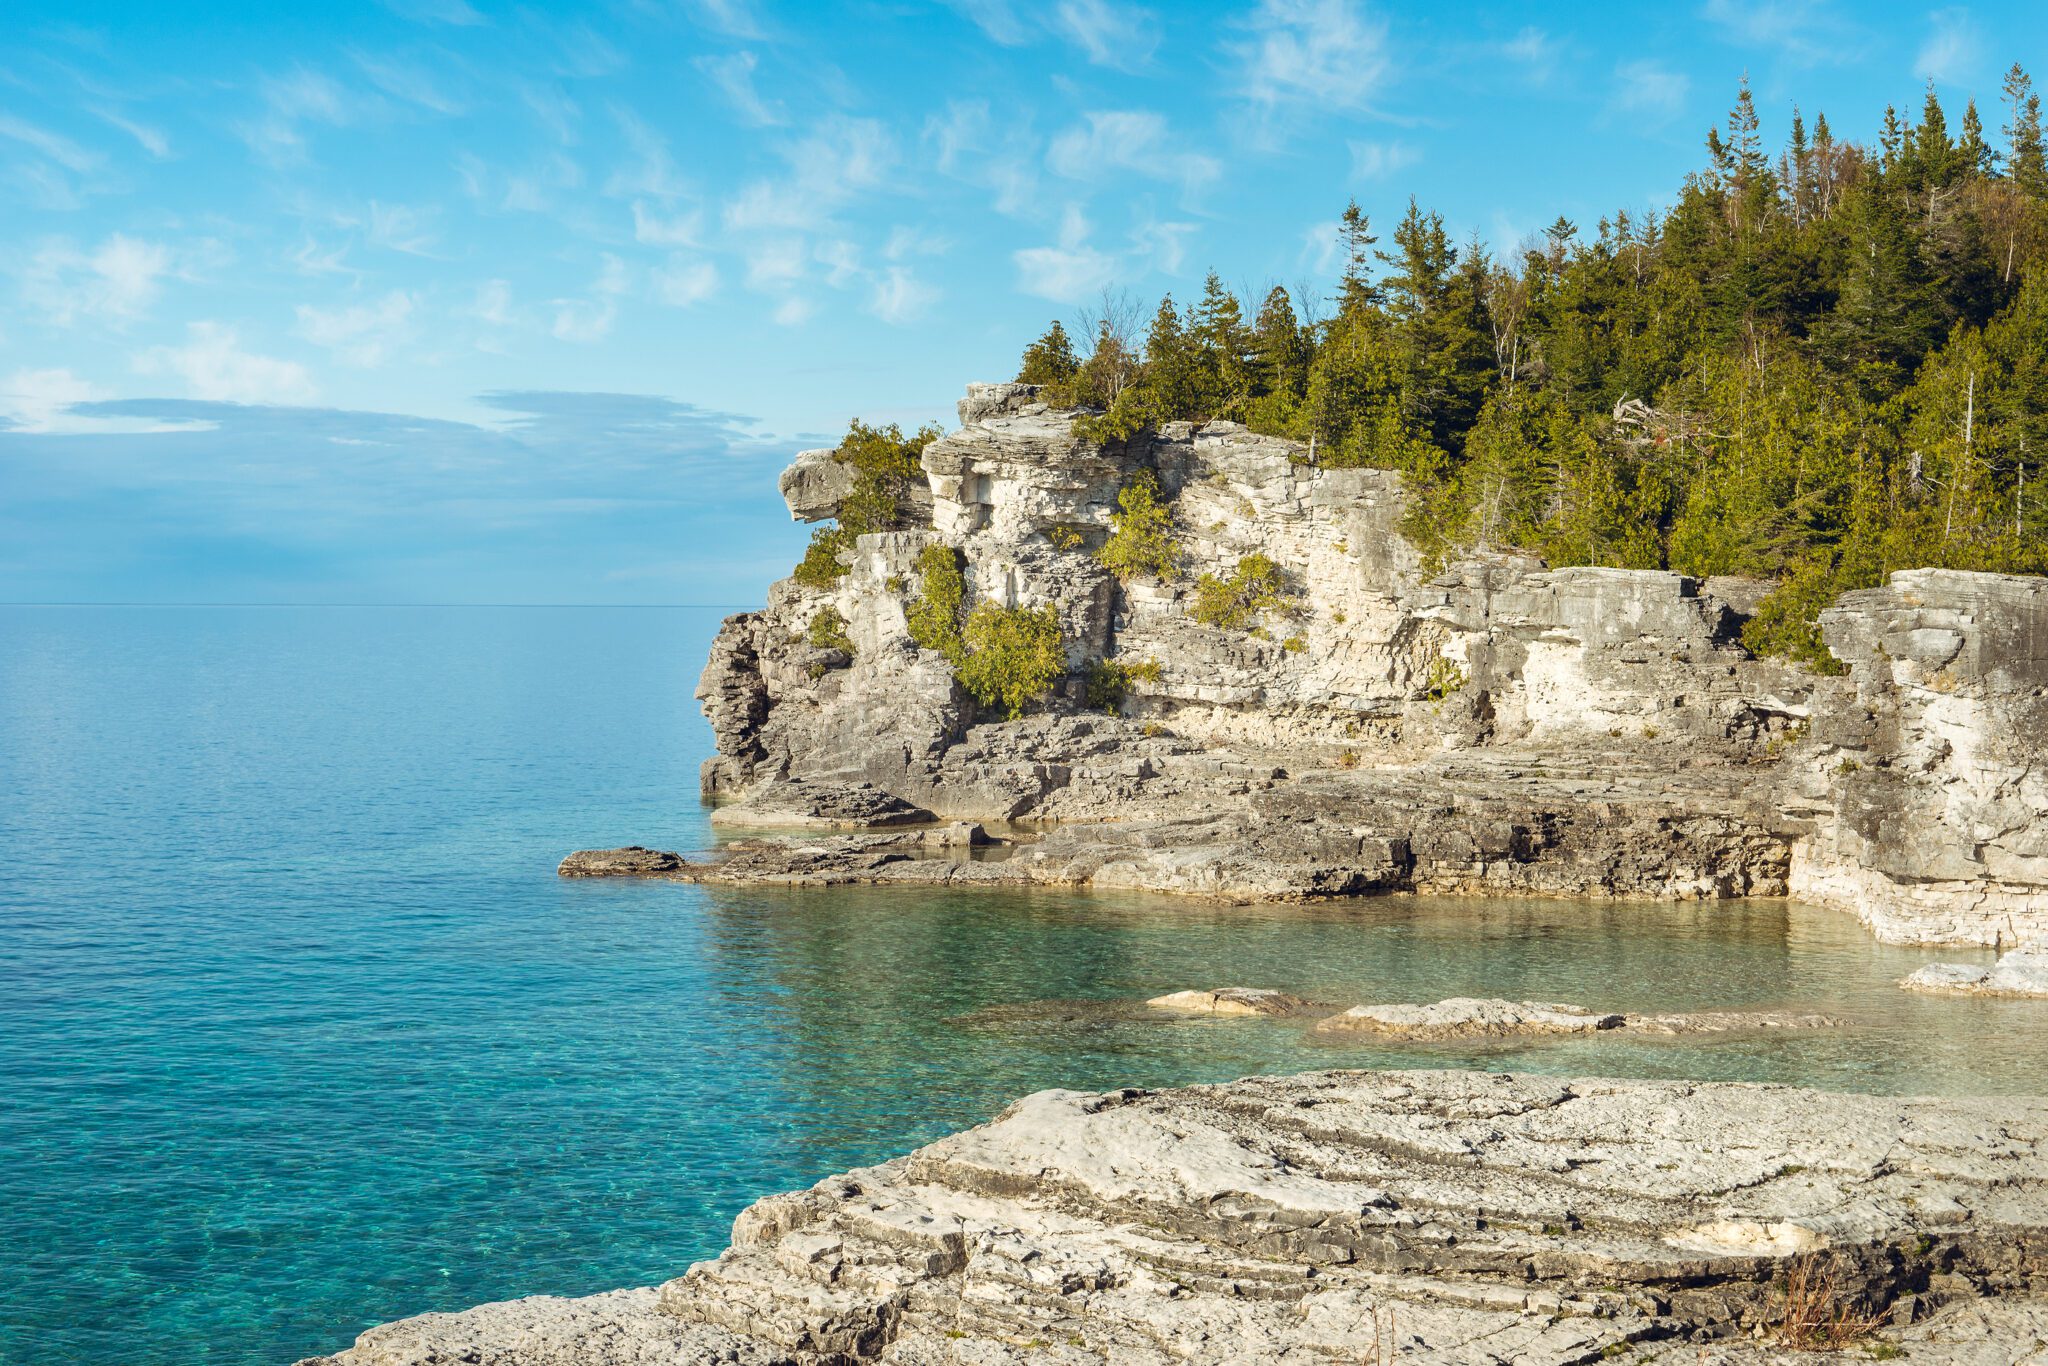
1429	1218
814	805
633	860
1467	1017
1232	1001
2020	972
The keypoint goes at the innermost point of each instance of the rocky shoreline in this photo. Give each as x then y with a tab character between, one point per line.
1419	1217
1492	726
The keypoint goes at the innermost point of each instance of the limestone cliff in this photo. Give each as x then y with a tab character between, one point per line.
1494	726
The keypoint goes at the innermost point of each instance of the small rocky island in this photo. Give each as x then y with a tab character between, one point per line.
1198	662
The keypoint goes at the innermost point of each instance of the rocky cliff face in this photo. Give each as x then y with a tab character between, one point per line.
1495	726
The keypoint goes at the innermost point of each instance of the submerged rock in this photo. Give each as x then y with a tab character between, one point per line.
2020	972
633	860
1460	1217
1232	1001
1468	1017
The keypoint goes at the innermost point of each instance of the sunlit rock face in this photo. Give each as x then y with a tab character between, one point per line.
1490	724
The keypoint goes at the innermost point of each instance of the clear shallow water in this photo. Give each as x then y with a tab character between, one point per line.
299	1032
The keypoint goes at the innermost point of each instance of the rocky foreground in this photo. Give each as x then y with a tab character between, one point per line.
1362	1217
1379	725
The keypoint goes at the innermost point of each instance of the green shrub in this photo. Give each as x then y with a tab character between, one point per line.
1063	538
1445	678
827	630
1110	679
1012	655
1254	587
934	619
1293	645
886	466
1141	538
821	566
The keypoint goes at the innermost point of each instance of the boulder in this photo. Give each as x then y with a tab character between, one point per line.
2018	972
1232	1001
632	860
815	484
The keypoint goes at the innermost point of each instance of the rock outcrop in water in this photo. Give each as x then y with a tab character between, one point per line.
1494	727
1429	1218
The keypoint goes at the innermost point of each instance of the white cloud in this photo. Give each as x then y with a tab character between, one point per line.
793	310
733	18
1131	140
410	83
1120	36
995	18
151	140
214	366
776	262
1650	90
683	282
299	97
1807	31
398	228
1069	272
1535	51
969	150
116	283
39	400
650	229
899	297
359	334
590	319
733	74
1954	48
827	170
494	304
652	174
905	241
1372	160
1327	54
55	146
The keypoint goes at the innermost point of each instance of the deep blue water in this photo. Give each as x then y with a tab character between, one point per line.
299	1032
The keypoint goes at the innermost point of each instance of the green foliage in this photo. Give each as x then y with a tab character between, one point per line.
1141	540
1063	538
1445	677
1050	360
1255	587
886	464
1011	656
1109	681
827	630
934	619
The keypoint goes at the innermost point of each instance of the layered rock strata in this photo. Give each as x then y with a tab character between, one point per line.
1493	726
1430	1218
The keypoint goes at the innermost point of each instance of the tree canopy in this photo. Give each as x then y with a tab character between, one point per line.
1814	368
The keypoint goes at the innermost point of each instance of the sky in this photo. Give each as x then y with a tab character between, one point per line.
461	301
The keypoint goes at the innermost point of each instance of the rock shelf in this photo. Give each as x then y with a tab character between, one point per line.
1426	1218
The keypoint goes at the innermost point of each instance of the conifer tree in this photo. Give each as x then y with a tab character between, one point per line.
1050	360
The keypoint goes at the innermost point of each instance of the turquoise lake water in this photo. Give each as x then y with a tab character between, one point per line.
299	1032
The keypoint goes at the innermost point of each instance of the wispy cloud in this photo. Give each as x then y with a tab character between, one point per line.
1807	32
1954	48
1650	91
1328	55
360	335
972	149
1376	160
213	365
1071	269
733	76
116	282
843	158
1139	142
1113	35
588	318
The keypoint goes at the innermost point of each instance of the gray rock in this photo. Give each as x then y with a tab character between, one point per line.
815	485
822	804
1467	1017
1232	1001
2020	972
631	861
1459	1217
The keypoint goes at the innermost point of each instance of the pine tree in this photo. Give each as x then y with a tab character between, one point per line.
1357	292
1050	360
2024	161
1974	156
1219	332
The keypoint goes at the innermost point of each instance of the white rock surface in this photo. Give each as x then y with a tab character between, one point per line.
2019	972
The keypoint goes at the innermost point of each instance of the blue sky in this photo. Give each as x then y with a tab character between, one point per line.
456	301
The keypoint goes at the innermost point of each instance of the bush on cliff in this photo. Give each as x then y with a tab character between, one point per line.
1011	656
1255	587
1141	540
886	467
1004	657
1816	367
